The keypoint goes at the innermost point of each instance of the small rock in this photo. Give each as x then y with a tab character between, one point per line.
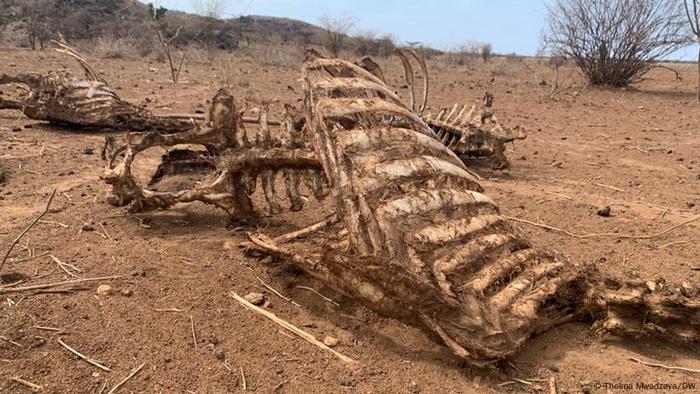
586	389
415	388
3	178
16	128
88	227
95	374
126	292
37	342
88	151
104	290
690	204
220	355
604	212
255	298
28	126
330	341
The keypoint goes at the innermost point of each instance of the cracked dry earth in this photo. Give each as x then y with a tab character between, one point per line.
636	151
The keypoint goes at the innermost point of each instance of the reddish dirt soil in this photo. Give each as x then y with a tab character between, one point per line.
641	144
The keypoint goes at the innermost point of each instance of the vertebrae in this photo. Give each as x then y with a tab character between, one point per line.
232	164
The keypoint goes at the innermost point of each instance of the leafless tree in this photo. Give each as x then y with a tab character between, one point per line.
166	38
692	11
337	30
35	14
615	42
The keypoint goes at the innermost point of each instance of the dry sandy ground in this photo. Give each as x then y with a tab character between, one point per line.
642	144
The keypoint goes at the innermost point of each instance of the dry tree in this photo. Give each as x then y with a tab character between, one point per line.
693	13
614	42
336	31
166	39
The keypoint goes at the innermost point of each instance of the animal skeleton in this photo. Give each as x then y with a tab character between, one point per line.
412	235
60	98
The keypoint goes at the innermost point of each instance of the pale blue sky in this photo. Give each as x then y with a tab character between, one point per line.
509	25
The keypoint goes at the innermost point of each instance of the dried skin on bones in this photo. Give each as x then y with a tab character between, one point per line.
414	238
58	97
233	163
471	132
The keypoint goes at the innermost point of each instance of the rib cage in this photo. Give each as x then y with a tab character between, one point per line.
410	206
60	98
236	164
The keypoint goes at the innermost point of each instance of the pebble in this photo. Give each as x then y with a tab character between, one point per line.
604	212
255	298
16	128
88	151
104	290
220	355
126	292
88	227
330	341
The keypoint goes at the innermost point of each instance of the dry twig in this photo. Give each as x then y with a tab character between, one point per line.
318	294
7	290
194	335
277	293
131	375
290	327
35	221
86	358
33	386
668	367
594	235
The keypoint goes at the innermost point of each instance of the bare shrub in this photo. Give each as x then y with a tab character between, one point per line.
114	48
486	52
36	15
337	31
290	56
614	42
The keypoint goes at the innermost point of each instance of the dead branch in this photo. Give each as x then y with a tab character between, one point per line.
290	327
35	221
595	235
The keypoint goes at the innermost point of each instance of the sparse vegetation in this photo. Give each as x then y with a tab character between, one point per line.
692	11
614	42
337	30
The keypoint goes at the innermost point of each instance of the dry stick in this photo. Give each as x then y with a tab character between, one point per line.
194	335
668	367
33	386
277	292
245	387
168	310
318	294
106	233
61	265
609	187
131	375
673	243
290	327
35	221
86	358
50	285
8	340
47	328
553	389
613	235
28	258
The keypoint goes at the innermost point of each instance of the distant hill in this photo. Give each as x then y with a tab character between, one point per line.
91	19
